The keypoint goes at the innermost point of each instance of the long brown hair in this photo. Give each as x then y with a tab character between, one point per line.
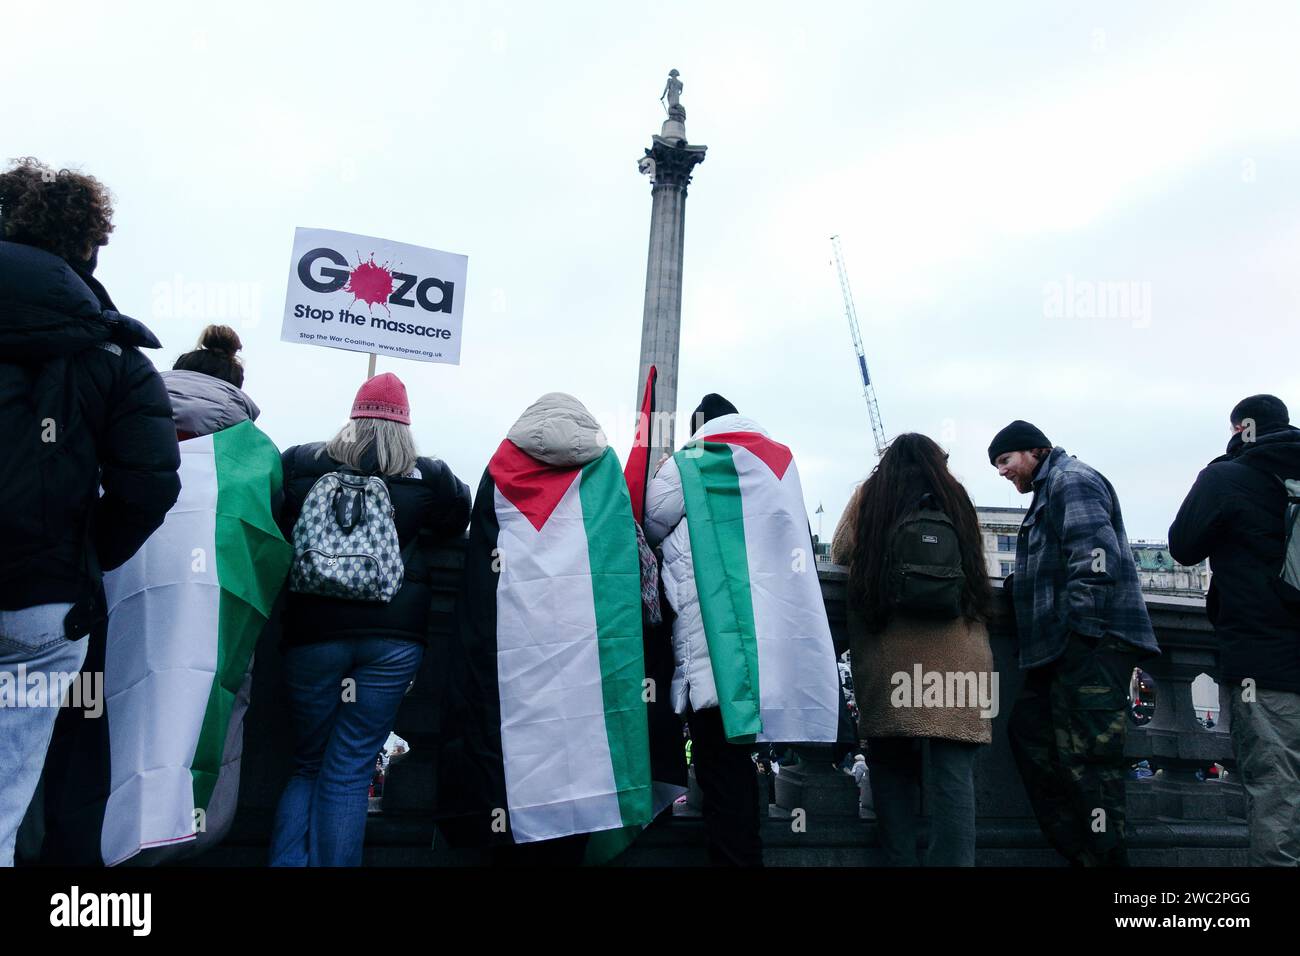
912	466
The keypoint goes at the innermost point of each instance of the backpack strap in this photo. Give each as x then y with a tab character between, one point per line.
927	501
1288	514
1245	460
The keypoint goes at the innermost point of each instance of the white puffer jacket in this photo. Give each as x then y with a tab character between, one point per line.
665	521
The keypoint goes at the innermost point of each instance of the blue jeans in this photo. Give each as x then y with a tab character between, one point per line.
338	731
33	639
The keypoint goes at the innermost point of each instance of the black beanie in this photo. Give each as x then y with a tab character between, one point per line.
711	406
1263	410
1018	436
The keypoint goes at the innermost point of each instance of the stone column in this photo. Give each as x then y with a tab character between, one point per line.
669	162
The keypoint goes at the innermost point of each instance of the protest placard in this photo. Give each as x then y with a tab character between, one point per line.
374	295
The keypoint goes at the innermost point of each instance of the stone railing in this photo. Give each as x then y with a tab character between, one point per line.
1174	818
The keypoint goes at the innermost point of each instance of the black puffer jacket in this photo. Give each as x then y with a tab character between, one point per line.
435	505
1233	516
80	408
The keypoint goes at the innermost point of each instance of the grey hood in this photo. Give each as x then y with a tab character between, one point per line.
558	430
204	404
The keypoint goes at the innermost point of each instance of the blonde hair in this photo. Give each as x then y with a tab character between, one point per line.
394	446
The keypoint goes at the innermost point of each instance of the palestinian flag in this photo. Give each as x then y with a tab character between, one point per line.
667	759
184	615
556	739
638	460
764	618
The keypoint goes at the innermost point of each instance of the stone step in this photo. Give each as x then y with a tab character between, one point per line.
412	840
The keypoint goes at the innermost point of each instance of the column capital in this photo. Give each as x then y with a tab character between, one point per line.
671	161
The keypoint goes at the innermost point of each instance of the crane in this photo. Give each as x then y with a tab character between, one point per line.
868	391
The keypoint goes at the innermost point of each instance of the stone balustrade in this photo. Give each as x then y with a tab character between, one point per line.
1174	818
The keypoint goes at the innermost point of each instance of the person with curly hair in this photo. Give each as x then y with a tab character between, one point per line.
81	409
67	213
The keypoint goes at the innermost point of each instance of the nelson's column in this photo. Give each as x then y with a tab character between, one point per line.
668	162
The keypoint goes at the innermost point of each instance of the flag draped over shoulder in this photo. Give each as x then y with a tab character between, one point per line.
760	599
667	762
184	616
551	668
638	459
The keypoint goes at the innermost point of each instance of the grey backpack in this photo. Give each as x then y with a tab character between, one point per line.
1288	579
345	542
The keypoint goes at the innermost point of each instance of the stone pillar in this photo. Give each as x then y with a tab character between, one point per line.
669	162
813	785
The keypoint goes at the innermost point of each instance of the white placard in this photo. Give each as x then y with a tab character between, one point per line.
374	295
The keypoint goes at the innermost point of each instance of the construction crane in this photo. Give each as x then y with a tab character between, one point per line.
868	391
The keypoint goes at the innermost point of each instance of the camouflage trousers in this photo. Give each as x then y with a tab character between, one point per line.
1067	731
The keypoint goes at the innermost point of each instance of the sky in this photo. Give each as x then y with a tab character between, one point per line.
1082	215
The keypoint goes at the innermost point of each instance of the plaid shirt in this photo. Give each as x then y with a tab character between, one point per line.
1074	569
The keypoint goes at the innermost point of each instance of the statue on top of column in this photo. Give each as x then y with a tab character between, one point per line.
672	92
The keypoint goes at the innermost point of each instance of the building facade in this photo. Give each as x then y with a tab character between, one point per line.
999	527
1157	571
1161	574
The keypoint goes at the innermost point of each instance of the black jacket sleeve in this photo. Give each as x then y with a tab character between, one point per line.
291	499
1196	526
451	517
139	458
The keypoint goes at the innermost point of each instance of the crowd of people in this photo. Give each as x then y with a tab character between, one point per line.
581	585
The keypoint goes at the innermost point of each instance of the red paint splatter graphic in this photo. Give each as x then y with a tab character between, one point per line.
371	283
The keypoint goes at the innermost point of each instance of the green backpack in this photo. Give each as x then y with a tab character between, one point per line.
925	576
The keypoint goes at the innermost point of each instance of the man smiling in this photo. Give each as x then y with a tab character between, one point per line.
1082	626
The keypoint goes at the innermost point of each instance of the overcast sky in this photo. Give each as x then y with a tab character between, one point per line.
982	163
